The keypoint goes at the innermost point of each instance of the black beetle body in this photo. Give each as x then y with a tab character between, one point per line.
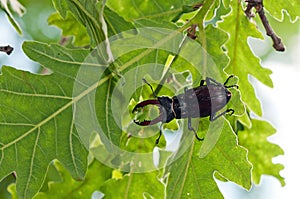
202	101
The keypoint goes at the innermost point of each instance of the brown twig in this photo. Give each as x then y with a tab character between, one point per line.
258	5
197	6
8	49
191	31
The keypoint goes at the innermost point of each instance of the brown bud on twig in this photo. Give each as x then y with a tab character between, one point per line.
191	31
8	49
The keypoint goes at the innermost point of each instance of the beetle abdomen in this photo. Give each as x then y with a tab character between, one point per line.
201	101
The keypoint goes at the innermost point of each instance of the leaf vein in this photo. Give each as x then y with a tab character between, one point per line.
73	156
189	161
35	94
32	163
65	61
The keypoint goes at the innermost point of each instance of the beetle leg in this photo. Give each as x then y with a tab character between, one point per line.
192	129
158	138
212	117
189	118
210	80
150	87
202	82
230	110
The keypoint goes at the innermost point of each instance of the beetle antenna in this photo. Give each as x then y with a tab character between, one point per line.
150	87
226	82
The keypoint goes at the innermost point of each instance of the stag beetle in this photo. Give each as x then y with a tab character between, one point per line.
202	101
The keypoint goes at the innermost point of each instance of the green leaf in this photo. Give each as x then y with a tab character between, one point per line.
109	125
61	7
215	39
115	23
36	118
276	8
155	10
90	14
261	151
96	175
242	61
193	177
12	190
66	186
70	26
16	7
134	185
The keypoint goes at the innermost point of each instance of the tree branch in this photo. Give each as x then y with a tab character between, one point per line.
258	5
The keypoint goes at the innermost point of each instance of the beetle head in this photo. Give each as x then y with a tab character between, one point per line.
228	95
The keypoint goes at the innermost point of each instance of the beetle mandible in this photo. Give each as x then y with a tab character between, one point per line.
202	101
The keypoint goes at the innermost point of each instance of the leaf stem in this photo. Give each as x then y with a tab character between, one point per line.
199	19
